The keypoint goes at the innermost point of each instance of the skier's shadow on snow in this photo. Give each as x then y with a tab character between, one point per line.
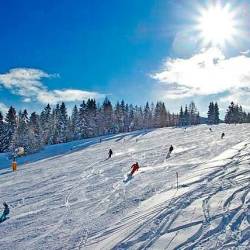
134	134
7	172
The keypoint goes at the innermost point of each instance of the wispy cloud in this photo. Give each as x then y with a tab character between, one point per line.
66	95
3	108
27	83
208	72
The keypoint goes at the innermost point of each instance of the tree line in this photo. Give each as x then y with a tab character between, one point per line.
235	114
55	125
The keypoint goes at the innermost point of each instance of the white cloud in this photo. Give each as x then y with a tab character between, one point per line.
27	82
208	72
3	108
67	95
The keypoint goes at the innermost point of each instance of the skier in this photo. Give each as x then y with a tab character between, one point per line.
171	148
210	129
134	167
222	135
6	211
110	153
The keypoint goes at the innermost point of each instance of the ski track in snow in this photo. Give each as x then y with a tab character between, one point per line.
79	200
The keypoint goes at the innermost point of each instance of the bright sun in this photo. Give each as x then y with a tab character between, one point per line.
217	25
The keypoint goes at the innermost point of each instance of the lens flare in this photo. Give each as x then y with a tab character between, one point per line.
217	25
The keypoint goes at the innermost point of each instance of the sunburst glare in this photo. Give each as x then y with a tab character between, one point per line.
218	25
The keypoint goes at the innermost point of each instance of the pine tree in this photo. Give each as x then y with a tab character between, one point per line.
75	121
107	110
216	114
83	124
211	113
46	122
230	114
163	115
157	115
36	132
62	124
131	117
3	141
55	130
11	125
126	118
91	110
147	116
22	136
186	117
181	117
118	118
192	113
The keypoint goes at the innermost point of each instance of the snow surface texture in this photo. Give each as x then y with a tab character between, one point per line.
79	201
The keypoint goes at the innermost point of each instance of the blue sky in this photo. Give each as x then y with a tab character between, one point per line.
125	49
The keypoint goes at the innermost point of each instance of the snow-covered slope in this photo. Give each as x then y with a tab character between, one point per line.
79	201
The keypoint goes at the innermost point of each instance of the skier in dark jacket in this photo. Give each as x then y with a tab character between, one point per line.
171	148
110	153
222	135
6	211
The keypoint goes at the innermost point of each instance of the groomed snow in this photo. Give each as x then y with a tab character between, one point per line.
77	200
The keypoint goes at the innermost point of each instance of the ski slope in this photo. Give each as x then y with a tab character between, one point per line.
78	200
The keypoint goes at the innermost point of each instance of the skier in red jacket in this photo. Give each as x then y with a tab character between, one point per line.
134	167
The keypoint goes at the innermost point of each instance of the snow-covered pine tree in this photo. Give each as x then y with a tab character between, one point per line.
186	117
131	117
163	115
91	110
181	117
126	118
22	136
192	113
107	112
123	116
46	121
99	120
83	123
36	142
211	113
157	115
138	118
62	124
117	118
147	116
55	130
3	142
74	124
235	114
230	114
216	114
11	124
